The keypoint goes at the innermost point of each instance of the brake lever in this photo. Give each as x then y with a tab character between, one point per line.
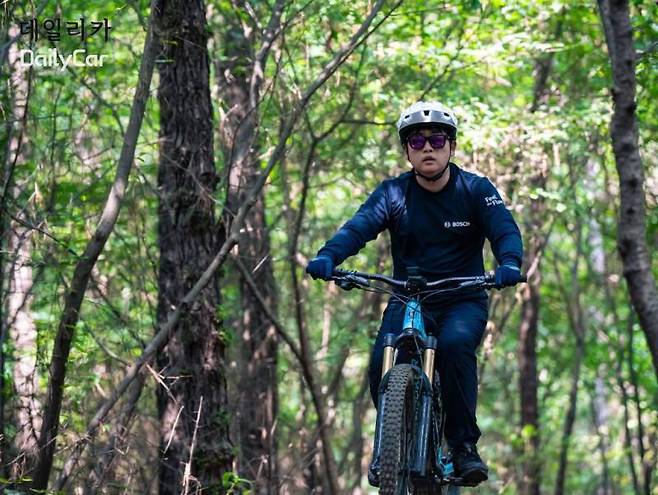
348	282
359	280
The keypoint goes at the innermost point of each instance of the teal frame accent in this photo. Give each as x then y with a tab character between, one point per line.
413	317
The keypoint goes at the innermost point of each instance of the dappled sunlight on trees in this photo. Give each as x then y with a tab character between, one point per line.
154	242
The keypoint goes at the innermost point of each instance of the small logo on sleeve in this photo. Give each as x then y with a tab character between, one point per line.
493	201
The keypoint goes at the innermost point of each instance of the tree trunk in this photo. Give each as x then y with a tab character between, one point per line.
600	266
528	378
631	227
625	401
571	294
645	461
192	398
578	328
527	350
600	413
258	396
23	335
240	76
18	324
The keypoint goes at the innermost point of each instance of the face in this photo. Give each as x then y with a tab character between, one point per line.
427	160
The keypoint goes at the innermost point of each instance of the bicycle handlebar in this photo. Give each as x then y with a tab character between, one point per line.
360	278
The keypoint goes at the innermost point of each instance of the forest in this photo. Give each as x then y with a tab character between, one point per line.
171	166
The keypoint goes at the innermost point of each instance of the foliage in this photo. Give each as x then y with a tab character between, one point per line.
480	58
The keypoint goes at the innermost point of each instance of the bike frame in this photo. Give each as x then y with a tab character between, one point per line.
413	334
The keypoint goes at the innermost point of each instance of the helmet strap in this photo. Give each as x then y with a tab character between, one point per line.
434	177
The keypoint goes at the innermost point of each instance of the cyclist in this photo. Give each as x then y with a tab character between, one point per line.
438	216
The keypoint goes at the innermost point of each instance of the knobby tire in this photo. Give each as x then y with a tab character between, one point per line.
397	437
397	433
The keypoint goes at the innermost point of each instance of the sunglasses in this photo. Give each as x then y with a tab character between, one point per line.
437	141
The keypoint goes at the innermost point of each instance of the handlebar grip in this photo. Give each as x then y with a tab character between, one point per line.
490	278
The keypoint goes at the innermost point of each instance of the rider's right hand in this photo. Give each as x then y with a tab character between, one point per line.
507	275
320	267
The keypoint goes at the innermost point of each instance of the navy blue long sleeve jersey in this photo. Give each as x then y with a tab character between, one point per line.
442	233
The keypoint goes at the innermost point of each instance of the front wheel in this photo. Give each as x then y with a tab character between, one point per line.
398	418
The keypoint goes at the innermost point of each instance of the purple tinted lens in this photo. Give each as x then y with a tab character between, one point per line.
417	141
437	141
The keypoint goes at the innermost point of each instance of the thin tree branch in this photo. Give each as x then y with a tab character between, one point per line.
188	466
83	269
280	330
104	466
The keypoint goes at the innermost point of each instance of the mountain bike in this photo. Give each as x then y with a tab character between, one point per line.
409	449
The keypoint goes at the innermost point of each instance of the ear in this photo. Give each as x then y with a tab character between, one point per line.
453	146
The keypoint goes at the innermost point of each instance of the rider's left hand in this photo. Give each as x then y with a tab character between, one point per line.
507	275
320	267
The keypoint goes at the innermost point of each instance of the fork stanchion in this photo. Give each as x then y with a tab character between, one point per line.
428	357
389	353
428	363
387	363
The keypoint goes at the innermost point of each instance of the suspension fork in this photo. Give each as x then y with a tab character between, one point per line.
428	356
423	424
387	364
422	421
389	353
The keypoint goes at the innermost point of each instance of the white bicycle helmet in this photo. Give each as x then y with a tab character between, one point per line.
423	113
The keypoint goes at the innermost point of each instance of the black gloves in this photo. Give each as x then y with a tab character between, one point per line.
320	267
507	275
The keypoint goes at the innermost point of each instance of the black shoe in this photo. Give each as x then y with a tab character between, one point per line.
373	473
468	464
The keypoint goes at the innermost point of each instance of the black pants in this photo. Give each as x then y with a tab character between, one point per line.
459	327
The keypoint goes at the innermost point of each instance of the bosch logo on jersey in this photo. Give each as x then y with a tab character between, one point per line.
448	225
